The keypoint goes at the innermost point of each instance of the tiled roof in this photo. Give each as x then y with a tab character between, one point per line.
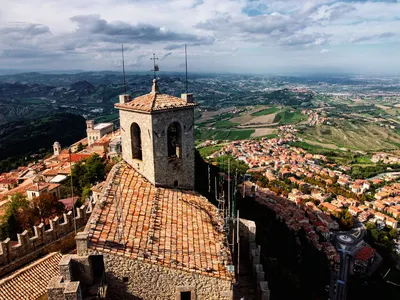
154	102
365	253
174	228
31	281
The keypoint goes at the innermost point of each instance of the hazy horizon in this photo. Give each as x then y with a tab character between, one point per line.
240	36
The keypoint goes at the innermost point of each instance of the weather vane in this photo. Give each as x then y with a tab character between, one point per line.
155	67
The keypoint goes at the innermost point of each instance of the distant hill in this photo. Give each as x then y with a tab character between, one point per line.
22	138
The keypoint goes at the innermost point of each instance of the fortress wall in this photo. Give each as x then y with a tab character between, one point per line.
60	236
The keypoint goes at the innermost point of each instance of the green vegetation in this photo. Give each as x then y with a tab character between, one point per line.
21	214
345	219
225	124
353	134
20	139
289	117
235	165
382	238
363	160
203	134
111	118
359	172
207	151
88	172
264	112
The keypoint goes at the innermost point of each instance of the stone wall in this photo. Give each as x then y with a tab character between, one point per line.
168	170
59	236
144	166
155	164
136	279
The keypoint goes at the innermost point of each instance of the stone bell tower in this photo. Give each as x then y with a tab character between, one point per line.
157	132
56	148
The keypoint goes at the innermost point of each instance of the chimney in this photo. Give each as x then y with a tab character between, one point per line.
124	98
187	97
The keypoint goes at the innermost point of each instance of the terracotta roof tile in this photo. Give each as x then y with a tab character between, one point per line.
31	281
154	102
175	228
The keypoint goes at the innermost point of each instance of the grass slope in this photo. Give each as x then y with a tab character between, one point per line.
354	135
264	112
289	117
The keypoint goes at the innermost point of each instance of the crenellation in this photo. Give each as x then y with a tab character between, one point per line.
40	237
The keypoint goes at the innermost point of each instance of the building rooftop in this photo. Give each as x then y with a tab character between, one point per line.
102	125
174	228
31	281
154	101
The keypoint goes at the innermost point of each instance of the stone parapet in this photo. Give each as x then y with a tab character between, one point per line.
27	245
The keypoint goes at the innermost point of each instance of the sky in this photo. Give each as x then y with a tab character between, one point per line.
234	36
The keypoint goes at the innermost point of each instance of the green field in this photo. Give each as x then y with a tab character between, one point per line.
363	160
264	112
225	124
207	151
353	135
289	117
107	118
203	134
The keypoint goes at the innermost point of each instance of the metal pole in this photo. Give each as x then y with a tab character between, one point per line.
123	68
72	190
216	188
209	179
238	244
186	69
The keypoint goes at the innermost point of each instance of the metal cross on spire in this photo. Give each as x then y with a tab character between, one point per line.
155	67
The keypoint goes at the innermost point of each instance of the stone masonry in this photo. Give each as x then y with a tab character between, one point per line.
133	279
30	247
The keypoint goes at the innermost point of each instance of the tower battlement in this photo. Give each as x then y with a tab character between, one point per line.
14	254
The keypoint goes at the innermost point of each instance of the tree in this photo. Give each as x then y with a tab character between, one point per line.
235	165
46	206
88	172
80	147
18	216
345	219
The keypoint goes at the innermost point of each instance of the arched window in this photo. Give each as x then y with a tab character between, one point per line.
136	141
174	140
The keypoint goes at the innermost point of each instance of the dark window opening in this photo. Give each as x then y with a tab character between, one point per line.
136	141
175	183
97	264
186	295
174	140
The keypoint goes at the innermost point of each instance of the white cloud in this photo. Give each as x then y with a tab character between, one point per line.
89	33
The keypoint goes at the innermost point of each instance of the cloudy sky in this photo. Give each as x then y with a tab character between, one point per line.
257	36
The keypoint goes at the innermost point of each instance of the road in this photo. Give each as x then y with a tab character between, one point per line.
347	244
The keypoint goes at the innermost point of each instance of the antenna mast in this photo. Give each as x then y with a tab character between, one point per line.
123	68
186	69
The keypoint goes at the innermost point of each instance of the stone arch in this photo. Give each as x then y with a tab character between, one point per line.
136	141
174	140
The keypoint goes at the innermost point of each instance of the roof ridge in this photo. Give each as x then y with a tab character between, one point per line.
153	102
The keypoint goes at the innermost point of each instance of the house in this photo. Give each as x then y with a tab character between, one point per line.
354	210
391	222
378	205
7	184
96	132
363	259
39	188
